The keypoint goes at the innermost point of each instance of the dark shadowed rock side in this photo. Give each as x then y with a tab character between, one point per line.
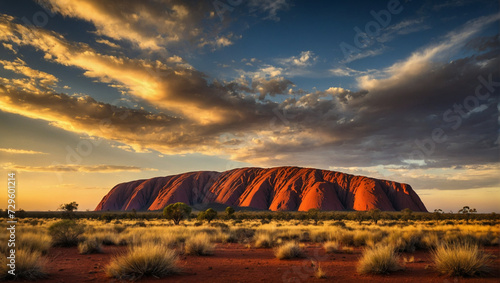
281	188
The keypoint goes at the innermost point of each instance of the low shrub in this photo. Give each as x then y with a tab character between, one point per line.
289	250
66	233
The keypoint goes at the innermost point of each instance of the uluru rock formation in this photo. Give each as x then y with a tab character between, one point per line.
280	188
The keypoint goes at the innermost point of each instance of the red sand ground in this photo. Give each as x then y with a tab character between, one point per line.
236	263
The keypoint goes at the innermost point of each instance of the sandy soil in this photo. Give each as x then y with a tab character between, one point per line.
236	263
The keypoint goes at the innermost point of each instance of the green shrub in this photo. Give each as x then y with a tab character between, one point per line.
66	233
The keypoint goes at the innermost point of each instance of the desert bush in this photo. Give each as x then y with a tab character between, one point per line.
379	260
176	212
264	240
289	250
90	246
29	265
461	259
31	241
331	246
141	261
66	233
199	244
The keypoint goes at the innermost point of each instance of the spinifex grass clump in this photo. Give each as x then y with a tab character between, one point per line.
379	260
331	246
289	250
142	261
264	239
90	246
461	259
199	245
29	265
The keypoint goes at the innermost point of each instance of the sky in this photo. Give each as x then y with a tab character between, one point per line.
94	93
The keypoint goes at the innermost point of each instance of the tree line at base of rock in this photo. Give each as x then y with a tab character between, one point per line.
180	211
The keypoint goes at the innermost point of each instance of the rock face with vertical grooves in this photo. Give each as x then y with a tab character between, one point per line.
280	188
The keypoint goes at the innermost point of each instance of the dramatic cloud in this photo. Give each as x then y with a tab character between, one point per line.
35	79
391	120
149	25
20	151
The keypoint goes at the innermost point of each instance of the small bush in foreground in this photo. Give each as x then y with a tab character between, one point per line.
29	265
461	259
289	250
141	261
264	240
199	245
331	246
66	233
89	246
379	260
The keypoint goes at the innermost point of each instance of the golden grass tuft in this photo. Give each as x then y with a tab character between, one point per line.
29	265
142	261
461	259
289	250
264	240
90	246
199	244
331	246
379	260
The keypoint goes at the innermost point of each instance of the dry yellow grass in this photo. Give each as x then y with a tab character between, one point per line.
379	260
142	261
90	246
461	259
31	241
289	250
331	246
29	265
199	244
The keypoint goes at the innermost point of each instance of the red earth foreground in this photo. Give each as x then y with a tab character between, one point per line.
280	188
237	263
